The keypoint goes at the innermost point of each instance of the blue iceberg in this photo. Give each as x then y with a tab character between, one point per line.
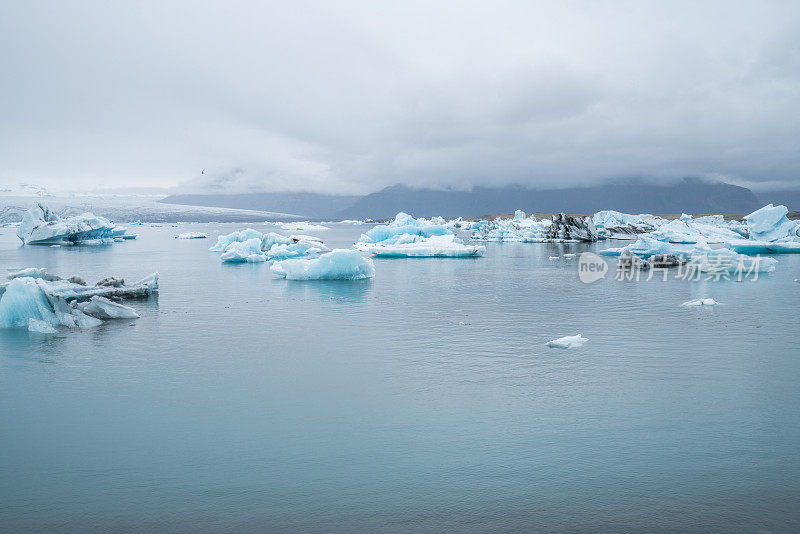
252	246
771	224
244	251
339	264
403	224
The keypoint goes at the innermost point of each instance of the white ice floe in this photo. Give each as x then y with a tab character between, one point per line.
567	342
441	246
304	226
191	235
352	221
701	302
40	226
43	303
339	264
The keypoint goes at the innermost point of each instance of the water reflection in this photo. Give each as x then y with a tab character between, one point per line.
333	290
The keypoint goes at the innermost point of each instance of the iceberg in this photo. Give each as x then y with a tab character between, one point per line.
43	303
616	225
244	251
403	224
690	231
567	342
339	264
567	228
561	229
443	246
771	224
40	226
267	240
191	235
252	246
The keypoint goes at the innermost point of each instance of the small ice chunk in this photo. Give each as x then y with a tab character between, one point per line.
111	281
553	258
103	308
304	226
567	342
701	302
191	235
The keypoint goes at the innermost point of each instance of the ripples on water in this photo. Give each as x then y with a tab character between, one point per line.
422	400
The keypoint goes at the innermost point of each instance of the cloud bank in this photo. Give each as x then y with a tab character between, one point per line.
353	96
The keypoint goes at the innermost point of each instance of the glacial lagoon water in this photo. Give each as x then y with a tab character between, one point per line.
424	400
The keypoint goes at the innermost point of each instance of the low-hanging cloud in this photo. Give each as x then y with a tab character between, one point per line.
354	96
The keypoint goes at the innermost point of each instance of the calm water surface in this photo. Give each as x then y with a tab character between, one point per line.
424	400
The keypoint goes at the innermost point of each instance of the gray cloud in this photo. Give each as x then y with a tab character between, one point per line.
353	96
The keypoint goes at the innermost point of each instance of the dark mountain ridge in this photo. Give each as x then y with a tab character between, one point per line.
689	196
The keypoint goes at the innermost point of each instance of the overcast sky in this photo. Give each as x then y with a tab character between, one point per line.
353	96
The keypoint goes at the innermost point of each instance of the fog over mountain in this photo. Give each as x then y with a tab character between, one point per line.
351	97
